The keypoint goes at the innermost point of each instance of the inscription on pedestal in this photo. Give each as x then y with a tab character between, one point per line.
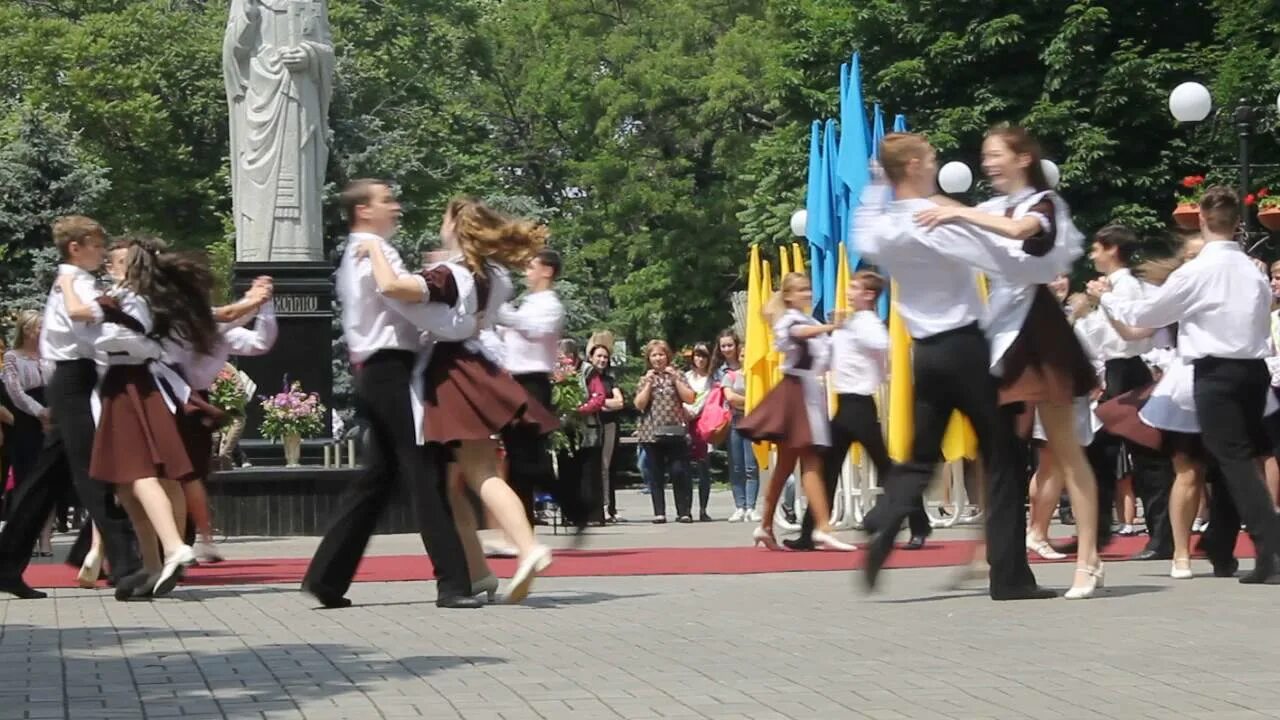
293	304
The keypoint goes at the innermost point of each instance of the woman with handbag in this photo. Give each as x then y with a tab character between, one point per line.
663	430
599	433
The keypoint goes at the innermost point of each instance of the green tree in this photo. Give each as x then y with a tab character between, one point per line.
44	173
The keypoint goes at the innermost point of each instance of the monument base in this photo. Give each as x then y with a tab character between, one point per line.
279	501
304	348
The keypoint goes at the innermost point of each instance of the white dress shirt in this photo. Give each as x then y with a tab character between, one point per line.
1219	300
372	321
859	352
62	338
1106	341
934	269
531	332
233	339
118	345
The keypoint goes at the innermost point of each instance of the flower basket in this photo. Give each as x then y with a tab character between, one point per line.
1187	216
1268	209
1270	218
289	416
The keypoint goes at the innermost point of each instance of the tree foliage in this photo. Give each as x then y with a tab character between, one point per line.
660	138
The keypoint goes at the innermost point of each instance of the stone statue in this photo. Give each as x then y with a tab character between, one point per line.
277	59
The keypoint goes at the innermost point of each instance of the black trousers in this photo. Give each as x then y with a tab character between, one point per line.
529	461
669	457
856	421
1230	396
1152	470
63	463
950	372
382	401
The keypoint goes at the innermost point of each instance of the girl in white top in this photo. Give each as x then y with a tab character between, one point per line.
138	446
468	398
793	415
1038	357
699	379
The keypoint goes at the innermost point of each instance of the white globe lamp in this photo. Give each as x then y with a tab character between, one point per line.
1190	102
799	222
955	177
1051	172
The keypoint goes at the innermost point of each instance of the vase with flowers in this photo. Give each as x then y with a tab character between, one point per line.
1187	213
290	415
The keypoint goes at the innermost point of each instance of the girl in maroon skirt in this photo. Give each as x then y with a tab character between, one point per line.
468	399
138	445
1035	351
794	415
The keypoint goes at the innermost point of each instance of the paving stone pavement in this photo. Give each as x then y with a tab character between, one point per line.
793	645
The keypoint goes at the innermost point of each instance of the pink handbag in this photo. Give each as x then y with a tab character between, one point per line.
712	425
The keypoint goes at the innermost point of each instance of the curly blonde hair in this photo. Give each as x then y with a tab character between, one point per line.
486	234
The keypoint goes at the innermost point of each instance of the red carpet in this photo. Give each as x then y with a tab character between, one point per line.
587	563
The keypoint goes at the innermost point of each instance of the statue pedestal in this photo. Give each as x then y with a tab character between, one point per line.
304	348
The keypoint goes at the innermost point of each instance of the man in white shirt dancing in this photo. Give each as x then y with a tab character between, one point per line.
530	346
940	304
1221	303
385	343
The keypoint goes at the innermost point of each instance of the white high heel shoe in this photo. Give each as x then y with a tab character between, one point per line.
184	556
827	541
760	536
536	561
90	569
1181	573
1043	549
487	585
1097	578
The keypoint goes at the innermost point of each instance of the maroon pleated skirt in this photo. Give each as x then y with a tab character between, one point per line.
1045	363
1121	417
137	435
469	398
781	417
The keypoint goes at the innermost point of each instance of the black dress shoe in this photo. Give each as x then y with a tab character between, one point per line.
1266	571
20	589
1149	554
800	544
877	554
1030	592
456	601
1226	569
915	543
328	599
134	586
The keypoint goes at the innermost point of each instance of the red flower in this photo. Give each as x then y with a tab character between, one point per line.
1263	192
1191	181
1250	199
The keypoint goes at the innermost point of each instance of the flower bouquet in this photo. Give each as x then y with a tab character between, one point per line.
290	415
227	394
566	397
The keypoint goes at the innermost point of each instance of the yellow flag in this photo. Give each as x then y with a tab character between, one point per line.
901	392
784	263
755	357
797	258
772	365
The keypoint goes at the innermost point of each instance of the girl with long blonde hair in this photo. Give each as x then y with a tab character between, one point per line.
793	415
467	398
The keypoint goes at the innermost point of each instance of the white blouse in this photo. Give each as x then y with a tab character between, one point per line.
22	373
